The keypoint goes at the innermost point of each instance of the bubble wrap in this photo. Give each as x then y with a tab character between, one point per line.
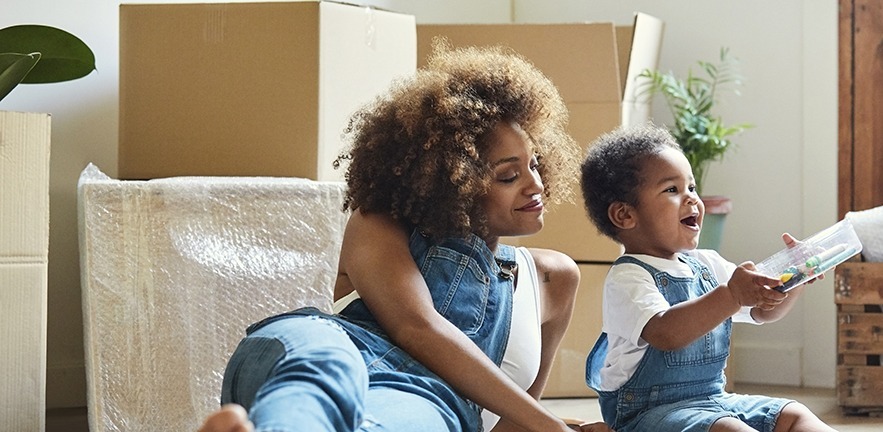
174	270
868	226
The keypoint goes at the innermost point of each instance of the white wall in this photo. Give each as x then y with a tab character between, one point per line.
782	177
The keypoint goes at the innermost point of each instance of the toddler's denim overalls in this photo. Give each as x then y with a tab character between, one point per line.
309	371
664	377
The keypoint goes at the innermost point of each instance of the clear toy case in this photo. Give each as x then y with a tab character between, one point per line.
813	256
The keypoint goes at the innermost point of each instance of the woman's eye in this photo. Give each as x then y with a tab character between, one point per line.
508	179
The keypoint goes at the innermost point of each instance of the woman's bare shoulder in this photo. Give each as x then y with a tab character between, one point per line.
550	260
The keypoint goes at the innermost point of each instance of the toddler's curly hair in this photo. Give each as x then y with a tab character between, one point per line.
417	151
611	171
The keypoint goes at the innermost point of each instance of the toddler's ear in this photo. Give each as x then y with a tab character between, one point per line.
621	215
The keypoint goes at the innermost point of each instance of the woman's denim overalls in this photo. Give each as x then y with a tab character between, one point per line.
663	377
299	371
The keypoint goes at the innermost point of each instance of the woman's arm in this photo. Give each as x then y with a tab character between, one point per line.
558	277
376	259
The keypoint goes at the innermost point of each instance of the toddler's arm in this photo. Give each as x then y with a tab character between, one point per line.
685	322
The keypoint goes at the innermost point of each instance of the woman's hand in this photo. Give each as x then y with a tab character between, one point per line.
591	427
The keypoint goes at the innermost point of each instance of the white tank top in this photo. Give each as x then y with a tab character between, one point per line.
521	361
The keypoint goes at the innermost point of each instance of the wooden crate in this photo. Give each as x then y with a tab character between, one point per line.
859	299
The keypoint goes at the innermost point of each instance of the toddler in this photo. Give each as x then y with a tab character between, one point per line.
668	307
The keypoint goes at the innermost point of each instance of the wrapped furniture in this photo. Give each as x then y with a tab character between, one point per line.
174	270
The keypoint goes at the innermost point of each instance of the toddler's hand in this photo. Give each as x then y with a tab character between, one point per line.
750	288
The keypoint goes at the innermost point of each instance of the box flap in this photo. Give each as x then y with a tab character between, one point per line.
646	44
383	44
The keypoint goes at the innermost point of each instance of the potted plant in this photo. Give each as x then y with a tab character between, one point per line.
36	54
701	134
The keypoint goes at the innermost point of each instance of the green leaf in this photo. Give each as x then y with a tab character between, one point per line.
64	56
14	68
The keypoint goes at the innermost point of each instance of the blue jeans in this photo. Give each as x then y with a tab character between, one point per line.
304	373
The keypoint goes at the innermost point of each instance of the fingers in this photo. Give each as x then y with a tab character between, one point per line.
763	280
760	279
595	427
790	241
770	299
748	265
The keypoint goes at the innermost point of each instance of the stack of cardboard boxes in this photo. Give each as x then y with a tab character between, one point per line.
24	257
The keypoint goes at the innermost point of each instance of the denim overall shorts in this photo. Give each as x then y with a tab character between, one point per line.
470	286
665	377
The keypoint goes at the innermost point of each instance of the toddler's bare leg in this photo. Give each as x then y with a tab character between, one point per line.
797	417
230	418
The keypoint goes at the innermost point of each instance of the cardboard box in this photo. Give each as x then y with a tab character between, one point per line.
24	186
250	89
593	65
24	253
568	376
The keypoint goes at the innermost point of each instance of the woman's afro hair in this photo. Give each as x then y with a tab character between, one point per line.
416	152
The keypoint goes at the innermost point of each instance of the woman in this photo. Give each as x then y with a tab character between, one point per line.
431	304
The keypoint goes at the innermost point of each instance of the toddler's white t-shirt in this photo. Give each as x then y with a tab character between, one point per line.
631	299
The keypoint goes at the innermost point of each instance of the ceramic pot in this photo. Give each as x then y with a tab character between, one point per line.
716	209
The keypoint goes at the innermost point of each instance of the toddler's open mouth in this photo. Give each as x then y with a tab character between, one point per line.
691	221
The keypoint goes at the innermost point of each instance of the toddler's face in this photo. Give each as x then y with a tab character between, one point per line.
669	213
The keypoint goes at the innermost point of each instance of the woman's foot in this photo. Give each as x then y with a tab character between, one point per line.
230	418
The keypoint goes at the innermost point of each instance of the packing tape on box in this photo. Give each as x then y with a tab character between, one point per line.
173	271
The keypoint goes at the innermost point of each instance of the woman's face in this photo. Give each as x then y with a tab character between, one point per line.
514	204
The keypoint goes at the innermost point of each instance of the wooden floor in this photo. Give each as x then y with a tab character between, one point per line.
821	401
